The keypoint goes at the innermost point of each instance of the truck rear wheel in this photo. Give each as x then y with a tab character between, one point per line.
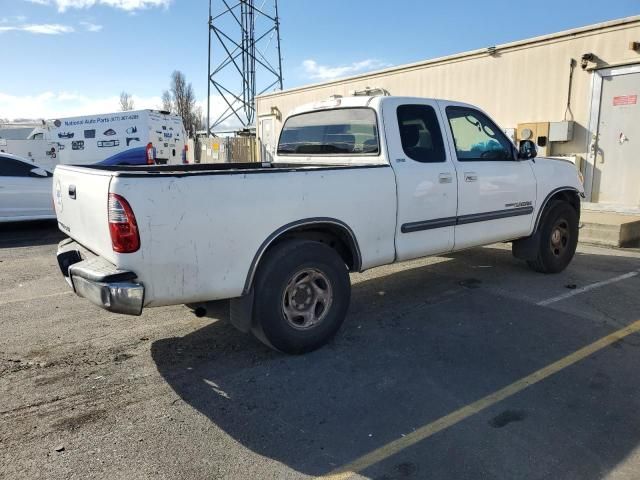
302	294
558	238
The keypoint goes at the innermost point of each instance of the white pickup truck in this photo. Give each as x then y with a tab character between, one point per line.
357	182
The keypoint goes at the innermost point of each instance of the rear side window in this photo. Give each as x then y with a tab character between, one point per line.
12	168
344	131
420	133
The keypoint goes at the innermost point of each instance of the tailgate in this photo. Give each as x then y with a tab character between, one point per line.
80	199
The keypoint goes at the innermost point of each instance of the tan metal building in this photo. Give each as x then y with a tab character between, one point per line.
525	86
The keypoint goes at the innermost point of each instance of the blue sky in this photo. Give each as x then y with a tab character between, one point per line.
66	57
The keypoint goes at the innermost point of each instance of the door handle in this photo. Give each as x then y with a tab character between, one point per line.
445	178
470	176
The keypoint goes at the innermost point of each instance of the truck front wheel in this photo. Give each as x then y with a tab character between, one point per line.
558	238
302	294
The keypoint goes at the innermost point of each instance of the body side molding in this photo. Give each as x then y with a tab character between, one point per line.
428	224
464	219
495	215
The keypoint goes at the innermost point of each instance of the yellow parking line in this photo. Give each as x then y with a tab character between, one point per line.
451	419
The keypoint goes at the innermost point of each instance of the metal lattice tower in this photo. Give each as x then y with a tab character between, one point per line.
244	38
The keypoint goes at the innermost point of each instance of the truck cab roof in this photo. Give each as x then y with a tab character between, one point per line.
353	101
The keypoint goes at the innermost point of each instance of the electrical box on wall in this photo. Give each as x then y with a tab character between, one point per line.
537	132
561	131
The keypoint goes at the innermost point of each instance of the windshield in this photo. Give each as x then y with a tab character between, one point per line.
345	131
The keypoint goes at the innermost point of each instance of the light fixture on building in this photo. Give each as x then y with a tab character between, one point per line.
493	51
635	46
275	111
586	58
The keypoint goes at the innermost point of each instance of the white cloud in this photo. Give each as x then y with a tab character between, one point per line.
51	105
127	5
19	24
14	19
39	28
91	27
218	107
315	71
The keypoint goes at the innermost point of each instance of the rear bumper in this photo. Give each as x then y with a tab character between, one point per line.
99	281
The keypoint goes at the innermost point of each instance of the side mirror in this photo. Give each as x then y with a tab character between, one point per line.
527	150
38	172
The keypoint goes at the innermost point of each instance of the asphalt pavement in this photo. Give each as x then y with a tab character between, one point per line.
464	366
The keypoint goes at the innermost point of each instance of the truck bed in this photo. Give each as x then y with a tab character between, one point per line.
220	168
201	225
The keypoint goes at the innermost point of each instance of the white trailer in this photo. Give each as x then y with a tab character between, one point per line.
40	152
93	138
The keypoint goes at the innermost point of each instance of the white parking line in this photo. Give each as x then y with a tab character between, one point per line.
34	298
578	291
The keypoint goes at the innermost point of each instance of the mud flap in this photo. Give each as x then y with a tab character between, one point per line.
526	248
241	312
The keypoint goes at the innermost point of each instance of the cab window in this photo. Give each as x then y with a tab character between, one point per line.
420	133
476	137
344	131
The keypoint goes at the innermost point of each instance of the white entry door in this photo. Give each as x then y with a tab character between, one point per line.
616	151
267	139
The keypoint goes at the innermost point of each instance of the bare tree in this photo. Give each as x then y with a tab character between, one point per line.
167	103
181	100
199	119
126	102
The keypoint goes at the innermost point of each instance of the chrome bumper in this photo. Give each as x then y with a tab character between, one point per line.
99	281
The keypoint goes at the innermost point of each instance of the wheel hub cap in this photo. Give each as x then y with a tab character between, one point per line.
559	237
302	297
307	298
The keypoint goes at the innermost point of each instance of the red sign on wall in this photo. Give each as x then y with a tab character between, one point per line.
625	100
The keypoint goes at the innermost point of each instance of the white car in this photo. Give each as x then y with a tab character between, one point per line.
25	190
357	182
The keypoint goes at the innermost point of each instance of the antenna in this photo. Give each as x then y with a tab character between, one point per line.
244	37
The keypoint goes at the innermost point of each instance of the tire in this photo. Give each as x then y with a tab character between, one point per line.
558	238
302	293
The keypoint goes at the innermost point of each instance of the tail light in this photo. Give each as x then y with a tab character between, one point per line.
151	154
122	225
